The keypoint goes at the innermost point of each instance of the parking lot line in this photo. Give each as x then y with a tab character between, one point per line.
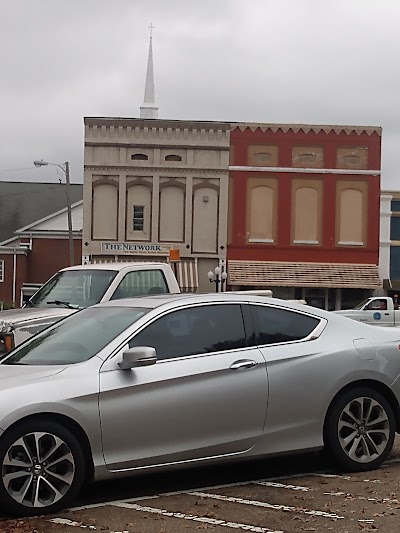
286	508
195	518
283	486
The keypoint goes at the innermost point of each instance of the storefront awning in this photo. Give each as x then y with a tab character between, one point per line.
282	274
187	275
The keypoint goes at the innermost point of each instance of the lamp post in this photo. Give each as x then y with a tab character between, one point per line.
217	277
65	169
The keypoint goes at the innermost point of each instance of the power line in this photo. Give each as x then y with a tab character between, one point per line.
55	185
15	169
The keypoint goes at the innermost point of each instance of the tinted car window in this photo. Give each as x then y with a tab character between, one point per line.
194	330
274	325
140	283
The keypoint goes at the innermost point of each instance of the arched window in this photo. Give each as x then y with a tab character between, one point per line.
261	214
351	217
173	157
172	213
139	157
306	216
105	200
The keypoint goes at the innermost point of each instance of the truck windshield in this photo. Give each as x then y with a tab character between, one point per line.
361	305
75	289
76	339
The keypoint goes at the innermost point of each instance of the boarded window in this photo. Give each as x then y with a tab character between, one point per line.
105	211
172	213
261	214
306	216
351	217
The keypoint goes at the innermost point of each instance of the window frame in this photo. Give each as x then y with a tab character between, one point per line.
2	265
247	323
159	270
136	219
313	335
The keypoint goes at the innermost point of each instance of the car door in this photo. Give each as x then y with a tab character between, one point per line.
205	397
299	375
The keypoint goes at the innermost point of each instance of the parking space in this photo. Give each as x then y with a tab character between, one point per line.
313	500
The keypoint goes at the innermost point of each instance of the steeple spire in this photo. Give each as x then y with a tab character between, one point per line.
149	108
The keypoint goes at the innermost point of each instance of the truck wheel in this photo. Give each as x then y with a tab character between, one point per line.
42	468
360	429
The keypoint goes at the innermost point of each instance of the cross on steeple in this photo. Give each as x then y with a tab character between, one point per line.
151	28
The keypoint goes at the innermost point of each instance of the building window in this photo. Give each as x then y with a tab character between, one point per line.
139	157
1	271
352	157
351	217
306	214
262	157
138	218
395	205
173	157
395	229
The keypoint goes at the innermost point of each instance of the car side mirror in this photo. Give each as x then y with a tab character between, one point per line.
138	356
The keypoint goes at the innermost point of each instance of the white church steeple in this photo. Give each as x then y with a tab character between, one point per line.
149	108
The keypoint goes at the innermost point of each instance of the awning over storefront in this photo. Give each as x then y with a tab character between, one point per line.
282	274
187	275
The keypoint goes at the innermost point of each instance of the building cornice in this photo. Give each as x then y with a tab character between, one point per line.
156	123
153	145
297	170
308	128
152	169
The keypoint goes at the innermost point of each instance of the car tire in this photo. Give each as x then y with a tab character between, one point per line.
359	429
39	483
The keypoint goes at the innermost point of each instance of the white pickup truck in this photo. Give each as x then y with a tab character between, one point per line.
379	311
78	287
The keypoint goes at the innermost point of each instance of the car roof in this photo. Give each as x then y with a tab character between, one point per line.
171	300
115	266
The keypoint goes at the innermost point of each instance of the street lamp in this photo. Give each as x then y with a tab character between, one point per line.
217	277
65	169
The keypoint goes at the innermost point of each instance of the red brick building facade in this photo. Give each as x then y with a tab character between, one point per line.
304	211
37	252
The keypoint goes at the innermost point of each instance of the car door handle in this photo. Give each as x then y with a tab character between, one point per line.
243	363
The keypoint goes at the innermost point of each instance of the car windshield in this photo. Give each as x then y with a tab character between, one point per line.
77	338
74	289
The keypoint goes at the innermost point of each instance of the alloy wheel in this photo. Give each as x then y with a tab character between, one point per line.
38	469
363	429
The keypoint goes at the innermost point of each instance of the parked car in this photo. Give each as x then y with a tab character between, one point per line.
175	380
379	310
74	288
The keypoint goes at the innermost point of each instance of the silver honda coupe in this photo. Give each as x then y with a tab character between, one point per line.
179	380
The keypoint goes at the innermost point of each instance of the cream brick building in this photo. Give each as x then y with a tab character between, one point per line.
151	185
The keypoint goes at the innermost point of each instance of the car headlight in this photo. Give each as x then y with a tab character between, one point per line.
6	338
6	343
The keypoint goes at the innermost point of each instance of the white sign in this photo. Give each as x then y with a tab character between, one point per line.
138	248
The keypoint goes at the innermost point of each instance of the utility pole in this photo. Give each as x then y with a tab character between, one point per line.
69	214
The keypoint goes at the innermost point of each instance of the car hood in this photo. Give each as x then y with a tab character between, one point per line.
18	317
12	375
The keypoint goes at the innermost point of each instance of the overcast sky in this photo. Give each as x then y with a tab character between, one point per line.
281	61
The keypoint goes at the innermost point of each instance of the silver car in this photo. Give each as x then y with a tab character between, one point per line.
165	381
